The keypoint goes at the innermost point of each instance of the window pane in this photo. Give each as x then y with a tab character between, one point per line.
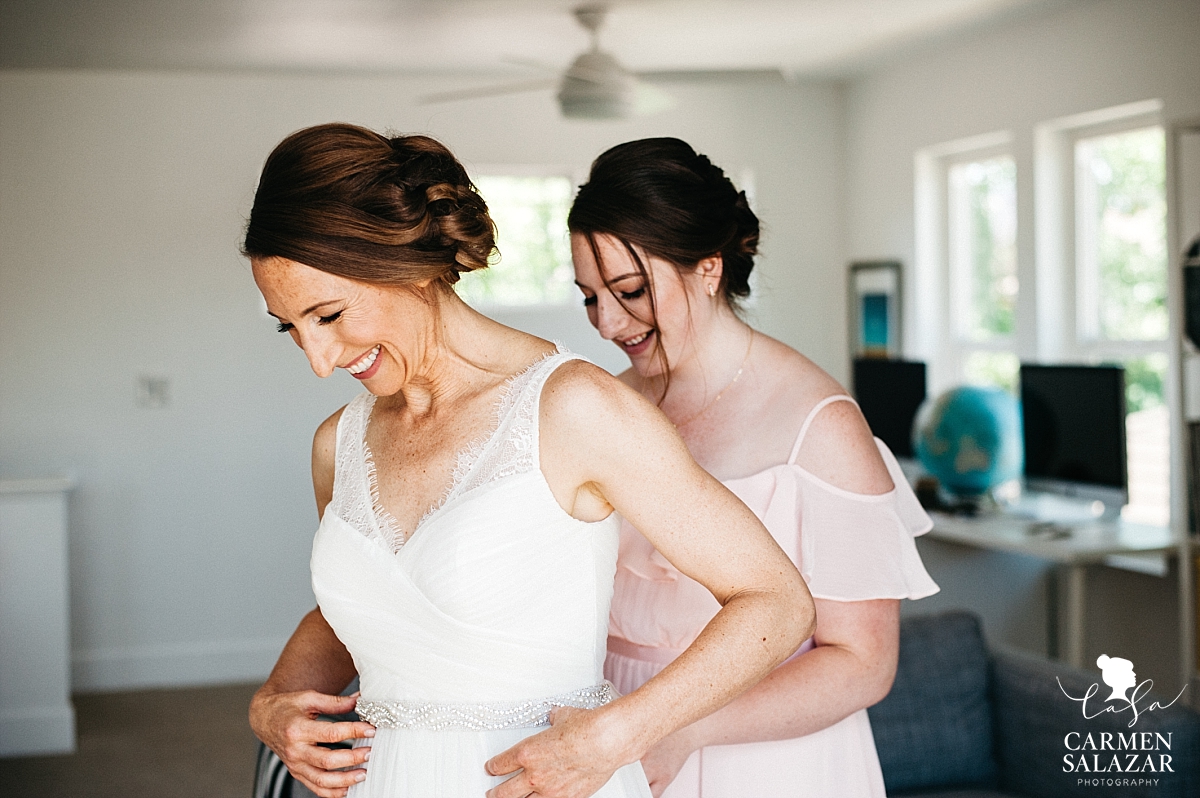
1147	431
982	227
1121	248
531	232
995	369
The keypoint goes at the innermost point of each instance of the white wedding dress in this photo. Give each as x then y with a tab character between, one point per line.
494	610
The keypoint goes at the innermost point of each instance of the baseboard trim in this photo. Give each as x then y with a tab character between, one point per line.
173	664
37	731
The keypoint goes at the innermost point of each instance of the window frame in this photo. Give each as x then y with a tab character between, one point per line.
939	337
1058	323
1090	343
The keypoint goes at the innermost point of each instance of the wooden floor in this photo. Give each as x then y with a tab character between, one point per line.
192	743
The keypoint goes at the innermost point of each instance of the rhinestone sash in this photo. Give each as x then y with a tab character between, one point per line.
479	717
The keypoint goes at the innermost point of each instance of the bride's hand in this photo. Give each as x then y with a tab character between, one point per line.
288	723
574	758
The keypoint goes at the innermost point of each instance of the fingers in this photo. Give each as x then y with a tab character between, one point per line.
305	736
289	724
337	732
328	784
303	754
504	763
286	718
324	704
516	787
337	758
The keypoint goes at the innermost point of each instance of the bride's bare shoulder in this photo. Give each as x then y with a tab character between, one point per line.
324	452
579	390
325	439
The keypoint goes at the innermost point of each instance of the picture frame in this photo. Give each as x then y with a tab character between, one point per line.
874	312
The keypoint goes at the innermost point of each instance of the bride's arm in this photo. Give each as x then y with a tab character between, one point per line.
312	669
604	447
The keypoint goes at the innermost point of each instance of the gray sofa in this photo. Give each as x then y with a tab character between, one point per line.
962	721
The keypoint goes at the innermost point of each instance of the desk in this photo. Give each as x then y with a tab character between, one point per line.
1086	544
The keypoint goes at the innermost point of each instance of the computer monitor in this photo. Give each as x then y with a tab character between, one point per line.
1074	430
889	393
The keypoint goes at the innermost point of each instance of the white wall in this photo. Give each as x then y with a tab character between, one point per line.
1083	57
122	197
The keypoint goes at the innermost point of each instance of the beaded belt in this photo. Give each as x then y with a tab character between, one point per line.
479	717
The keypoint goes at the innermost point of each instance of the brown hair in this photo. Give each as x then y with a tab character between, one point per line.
660	196
346	200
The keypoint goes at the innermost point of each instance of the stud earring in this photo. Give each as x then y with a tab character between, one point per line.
712	289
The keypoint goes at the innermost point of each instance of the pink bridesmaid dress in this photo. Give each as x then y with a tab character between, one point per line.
848	547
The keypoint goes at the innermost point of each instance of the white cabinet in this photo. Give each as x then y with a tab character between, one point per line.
36	716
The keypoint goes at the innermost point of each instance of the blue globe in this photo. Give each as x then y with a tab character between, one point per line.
970	439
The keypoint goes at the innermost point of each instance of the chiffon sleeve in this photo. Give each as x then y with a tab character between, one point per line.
855	547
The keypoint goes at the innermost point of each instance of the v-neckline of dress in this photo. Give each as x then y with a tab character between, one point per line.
466	460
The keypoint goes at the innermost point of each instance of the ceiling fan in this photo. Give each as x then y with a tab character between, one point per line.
594	86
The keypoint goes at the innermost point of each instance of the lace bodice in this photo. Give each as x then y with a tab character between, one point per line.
509	448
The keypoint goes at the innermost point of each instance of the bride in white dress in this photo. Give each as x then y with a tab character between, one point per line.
468	539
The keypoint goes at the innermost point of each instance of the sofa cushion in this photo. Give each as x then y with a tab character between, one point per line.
1034	717
934	729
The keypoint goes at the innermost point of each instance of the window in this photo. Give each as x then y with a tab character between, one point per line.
1096	291
967	283
534	267
1120	231
1121	293
982	258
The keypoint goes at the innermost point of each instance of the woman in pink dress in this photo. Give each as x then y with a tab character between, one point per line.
663	246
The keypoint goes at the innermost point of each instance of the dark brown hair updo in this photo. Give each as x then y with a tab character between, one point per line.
348	201
662	196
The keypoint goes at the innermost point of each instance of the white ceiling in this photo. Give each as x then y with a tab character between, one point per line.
796	37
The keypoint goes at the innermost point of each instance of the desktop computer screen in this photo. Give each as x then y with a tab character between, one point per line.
1074	430
889	393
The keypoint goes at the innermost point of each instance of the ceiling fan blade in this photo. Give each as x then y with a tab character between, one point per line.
648	99
704	75
488	91
530	63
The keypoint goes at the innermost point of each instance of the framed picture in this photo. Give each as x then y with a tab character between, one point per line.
875	309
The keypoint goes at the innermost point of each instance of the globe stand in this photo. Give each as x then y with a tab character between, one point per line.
933	496
973	505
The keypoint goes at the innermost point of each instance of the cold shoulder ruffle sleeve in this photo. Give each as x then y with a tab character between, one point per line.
848	547
852	546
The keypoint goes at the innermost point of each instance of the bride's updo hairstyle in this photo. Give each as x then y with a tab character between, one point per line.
662	197
348	201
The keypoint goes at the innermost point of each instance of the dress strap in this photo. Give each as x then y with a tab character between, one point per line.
355	491
528	397
808	420
349	443
512	448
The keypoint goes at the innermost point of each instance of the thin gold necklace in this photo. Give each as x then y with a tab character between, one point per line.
720	393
